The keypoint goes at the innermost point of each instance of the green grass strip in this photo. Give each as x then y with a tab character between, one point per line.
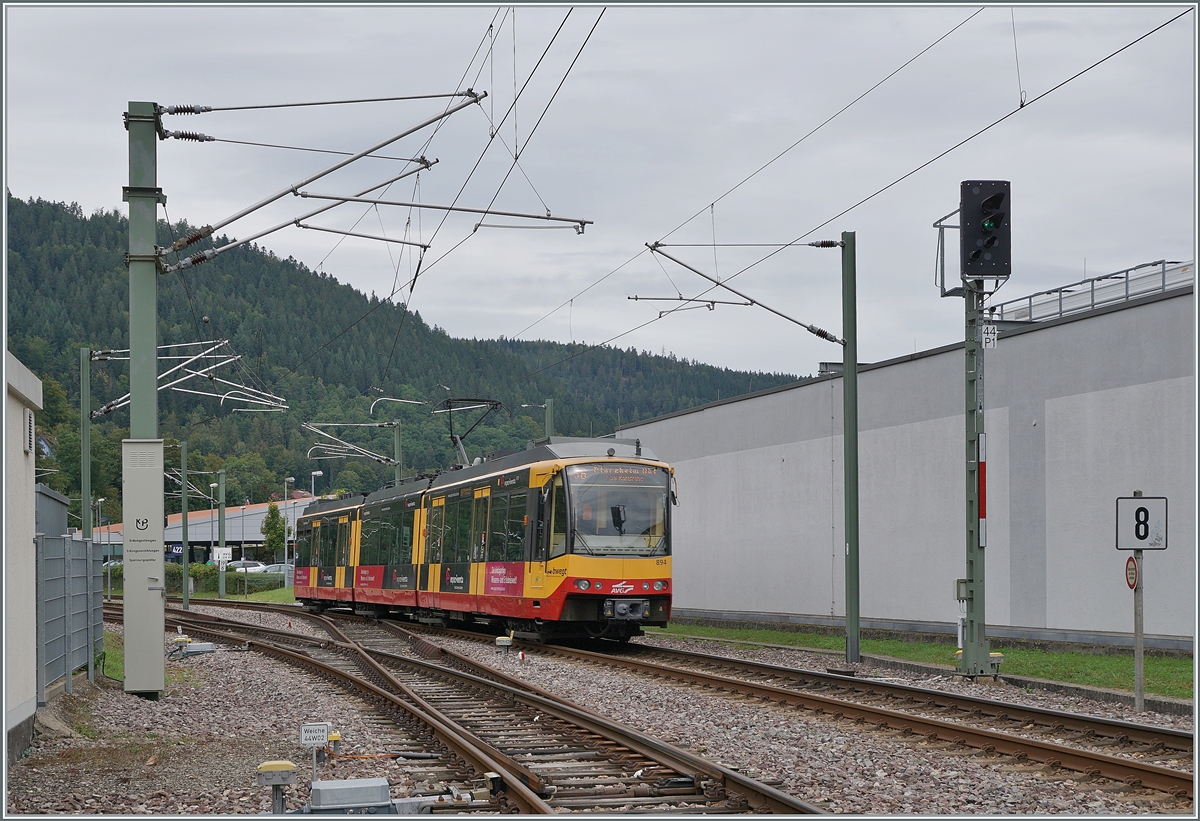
1164	675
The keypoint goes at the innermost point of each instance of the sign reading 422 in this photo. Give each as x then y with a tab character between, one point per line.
1142	523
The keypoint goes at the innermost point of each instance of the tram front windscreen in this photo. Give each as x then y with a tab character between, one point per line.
619	509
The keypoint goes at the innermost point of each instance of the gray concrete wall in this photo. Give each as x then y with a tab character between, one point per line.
1079	411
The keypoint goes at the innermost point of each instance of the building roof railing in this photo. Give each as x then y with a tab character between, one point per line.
1119	286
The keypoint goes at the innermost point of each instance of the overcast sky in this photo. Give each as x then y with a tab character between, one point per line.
655	134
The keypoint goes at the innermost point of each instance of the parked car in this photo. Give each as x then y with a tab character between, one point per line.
248	565
112	564
270	568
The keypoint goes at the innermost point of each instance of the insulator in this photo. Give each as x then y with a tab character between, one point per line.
824	334
187	109
190	135
196	259
825	243
192	238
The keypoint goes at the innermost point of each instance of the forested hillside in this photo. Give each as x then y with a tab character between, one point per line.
302	335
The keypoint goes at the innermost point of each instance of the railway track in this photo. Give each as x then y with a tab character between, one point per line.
1135	755
536	753
1129	754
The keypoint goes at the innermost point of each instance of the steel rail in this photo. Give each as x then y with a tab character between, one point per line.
341	641
450	735
1129	771
1170	738
759	795
523	774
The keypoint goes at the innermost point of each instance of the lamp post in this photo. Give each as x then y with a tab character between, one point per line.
315	474
287	516
245	573
100	513
549	408
107	569
212	514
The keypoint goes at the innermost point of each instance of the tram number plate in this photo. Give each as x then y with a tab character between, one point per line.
314	735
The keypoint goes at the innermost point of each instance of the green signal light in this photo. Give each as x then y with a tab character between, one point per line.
992	221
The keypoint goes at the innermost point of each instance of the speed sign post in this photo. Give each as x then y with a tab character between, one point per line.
1141	525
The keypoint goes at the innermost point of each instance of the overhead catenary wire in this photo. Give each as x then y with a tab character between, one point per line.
831	118
812	329
756	172
497	127
362	236
494	128
458	208
865	199
212	253
312	150
966	140
197	109
475	98
516	153
411	283
1016	57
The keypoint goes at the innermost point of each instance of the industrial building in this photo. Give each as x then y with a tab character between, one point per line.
1090	396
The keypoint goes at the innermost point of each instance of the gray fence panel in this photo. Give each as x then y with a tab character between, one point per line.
70	610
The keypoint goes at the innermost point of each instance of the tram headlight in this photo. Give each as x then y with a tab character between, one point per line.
660	585
582	584
645	585
599	586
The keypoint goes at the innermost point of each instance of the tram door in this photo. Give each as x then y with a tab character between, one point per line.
479	544
551	536
432	559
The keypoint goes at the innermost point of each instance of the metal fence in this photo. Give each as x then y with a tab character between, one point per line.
1120	286
70	610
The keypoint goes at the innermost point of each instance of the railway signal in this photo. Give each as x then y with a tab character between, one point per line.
984	229
984	210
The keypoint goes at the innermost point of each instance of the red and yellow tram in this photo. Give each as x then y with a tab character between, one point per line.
569	538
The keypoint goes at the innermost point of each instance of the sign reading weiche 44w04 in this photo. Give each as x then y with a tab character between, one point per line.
1142	523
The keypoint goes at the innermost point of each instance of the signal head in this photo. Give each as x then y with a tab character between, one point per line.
984	229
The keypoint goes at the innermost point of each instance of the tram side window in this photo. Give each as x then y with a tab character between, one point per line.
304	548
437	518
368	543
479	529
449	520
558	519
462	531
377	539
514	549
497	537
328	542
343	541
402	552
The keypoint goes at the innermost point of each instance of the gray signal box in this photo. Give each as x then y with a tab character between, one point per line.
145	577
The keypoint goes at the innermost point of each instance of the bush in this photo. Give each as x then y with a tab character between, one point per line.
205	580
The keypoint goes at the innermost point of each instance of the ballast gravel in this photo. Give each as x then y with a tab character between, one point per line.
196	750
836	764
